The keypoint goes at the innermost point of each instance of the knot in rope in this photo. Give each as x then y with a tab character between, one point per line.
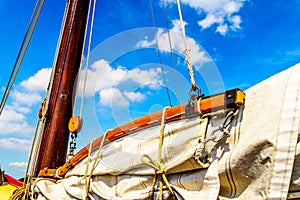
160	170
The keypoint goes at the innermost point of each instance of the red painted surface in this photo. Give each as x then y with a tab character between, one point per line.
13	181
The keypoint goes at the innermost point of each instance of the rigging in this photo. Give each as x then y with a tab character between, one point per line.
159	54
26	40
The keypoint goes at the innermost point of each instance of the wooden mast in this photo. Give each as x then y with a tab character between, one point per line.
54	145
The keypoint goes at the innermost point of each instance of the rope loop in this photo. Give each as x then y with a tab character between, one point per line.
158	166
160	171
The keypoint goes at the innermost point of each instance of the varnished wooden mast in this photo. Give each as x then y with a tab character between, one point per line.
54	145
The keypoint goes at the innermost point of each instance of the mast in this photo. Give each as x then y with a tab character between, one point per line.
54	144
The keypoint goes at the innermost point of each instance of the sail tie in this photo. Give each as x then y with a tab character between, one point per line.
160	170
88	176
158	166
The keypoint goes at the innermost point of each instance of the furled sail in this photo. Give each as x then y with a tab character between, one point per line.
253	160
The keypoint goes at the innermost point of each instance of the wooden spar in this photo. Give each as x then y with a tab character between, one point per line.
54	145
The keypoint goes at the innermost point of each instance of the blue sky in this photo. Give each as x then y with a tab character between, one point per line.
234	43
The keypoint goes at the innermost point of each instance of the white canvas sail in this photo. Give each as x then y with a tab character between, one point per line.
255	162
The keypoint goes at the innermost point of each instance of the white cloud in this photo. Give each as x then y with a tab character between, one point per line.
219	12
39	81
15	143
113	96
236	22
209	20
198	56
105	80
222	29
102	76
17	164
26	98
14	122
135	96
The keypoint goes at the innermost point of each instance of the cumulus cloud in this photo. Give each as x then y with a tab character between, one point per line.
222	13
15	144
17	164
23	97
26	98
105	80
209	20
112	96
14	122
222	29
102	76
198	56
134	96
39	81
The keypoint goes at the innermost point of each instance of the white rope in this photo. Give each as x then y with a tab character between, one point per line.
186	49
88	57
82	56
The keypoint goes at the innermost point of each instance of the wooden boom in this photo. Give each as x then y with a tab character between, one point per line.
231	99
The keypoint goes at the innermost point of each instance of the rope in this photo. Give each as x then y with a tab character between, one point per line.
82	56
57	51
41	121
18	194
158	166
31	151
35	145
88	57
87	176
171	51
186	49
159	55
27	37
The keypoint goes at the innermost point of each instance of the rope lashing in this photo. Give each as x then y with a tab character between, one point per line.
158	166
88	176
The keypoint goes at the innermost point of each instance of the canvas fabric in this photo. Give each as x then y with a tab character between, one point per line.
259	159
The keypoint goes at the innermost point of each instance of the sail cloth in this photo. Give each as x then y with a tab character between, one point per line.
255	162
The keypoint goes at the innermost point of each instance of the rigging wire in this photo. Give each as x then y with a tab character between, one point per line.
171	51
159	54
41	121
186	50
82	57
26	40
88	56
92	14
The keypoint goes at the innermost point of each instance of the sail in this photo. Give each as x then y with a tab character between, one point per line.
255	161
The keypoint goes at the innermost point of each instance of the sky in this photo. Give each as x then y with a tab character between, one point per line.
233	43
